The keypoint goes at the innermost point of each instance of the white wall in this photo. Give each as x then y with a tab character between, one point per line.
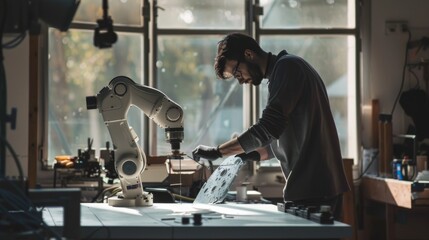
16	63
384	58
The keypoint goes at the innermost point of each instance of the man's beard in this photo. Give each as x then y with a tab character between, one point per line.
255	73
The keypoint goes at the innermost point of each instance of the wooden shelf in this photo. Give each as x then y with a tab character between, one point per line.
393	194
388	190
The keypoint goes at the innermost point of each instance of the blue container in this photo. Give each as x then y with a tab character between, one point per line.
397	169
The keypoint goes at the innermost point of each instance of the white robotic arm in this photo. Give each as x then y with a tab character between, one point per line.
113	102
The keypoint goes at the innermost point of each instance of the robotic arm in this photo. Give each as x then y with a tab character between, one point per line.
113	102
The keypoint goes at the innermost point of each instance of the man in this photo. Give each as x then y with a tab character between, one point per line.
296	126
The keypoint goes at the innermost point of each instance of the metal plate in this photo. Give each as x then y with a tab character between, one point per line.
217	186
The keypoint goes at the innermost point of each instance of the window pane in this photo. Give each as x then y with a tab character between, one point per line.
124	12
213	108
201	14
286	14
78	69
334	58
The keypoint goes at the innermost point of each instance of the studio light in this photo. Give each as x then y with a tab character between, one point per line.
23	15
58	13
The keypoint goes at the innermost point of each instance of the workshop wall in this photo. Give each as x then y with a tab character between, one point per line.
383	61
383	58
16	63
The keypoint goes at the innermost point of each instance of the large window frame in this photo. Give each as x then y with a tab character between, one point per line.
158	32
89	25
353	104
251	109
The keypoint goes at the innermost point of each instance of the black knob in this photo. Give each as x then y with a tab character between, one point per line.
197	219
185	220
91	102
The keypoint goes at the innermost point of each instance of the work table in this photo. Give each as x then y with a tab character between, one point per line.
219	221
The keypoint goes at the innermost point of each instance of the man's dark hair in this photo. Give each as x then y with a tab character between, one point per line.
232	47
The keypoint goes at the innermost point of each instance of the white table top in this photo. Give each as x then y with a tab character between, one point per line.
219	221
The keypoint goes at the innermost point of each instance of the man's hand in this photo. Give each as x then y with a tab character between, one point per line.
252	156
207	152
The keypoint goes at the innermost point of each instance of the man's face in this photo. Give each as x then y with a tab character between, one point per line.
245	72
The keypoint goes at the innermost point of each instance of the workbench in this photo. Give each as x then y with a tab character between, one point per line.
395	195
219	221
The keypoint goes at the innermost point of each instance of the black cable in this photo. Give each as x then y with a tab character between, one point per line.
211	167
33	220
3	93
103	192
403	73
15	157
2	24
105	4
16	215
90	235
367	167
194	160
212	116
415	76
14	42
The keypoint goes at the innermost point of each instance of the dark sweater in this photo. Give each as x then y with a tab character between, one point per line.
298	127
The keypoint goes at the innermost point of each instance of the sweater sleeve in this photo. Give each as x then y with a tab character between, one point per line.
285	88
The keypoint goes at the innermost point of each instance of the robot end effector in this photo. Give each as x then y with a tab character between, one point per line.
174	136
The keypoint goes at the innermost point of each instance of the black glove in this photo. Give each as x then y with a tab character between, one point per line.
207	152
252	156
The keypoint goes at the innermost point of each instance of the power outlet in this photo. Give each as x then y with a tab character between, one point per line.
396	27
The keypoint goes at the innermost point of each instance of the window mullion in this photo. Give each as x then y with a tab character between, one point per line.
151	126
248	97
146	12
255	90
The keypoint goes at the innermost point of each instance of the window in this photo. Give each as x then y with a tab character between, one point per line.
184	69
76	69
324	33
201	14
185	73
308	14
180	59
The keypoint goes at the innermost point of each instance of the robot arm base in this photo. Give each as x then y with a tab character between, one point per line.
146	200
